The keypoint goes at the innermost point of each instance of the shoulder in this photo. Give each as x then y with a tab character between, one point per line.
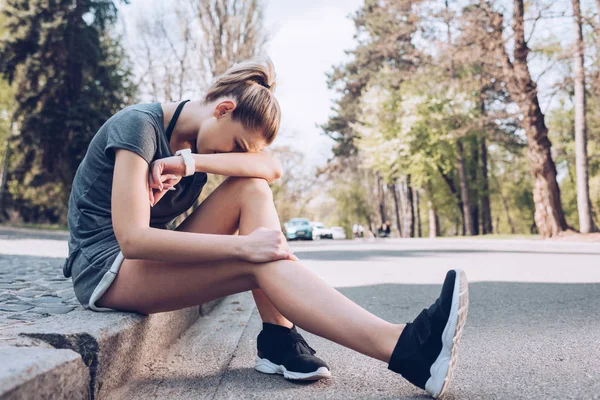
137	117
144	114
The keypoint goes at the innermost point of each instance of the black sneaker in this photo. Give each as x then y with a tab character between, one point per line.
284	351
427	350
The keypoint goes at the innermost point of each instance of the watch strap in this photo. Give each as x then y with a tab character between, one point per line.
188	160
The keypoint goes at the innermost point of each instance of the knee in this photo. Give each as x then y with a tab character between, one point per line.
252	187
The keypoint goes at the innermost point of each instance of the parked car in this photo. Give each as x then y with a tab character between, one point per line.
337	232
320	231
298	228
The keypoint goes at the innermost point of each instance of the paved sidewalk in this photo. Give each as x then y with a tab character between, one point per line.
32	286
50	346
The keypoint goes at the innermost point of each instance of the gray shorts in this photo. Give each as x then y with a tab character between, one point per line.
91	281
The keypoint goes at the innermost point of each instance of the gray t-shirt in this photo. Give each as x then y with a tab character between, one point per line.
140	129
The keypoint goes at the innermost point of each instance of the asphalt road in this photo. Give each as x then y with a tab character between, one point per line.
533	330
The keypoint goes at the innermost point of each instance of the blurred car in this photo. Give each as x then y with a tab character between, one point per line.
298	228
320	231
337	232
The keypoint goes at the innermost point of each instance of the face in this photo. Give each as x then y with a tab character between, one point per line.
219	134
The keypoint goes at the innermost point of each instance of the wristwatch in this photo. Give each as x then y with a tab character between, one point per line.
188	160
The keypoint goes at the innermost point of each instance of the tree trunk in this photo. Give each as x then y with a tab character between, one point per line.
465	208
392	187
484	187
4	174
586	225
464	189
411	209
549	215
449	181
381	199
486	211
417	201
433	221
474	193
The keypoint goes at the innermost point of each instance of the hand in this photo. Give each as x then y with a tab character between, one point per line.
167	182
264	245
168	165
164	174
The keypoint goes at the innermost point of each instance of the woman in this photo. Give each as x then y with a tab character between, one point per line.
148	163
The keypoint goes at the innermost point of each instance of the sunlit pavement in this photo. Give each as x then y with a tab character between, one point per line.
417	261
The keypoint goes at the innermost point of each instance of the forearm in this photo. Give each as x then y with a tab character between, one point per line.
166	245
251	165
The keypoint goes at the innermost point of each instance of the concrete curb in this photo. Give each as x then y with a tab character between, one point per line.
31	371
92	353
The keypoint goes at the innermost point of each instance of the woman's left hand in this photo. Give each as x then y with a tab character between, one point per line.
164	174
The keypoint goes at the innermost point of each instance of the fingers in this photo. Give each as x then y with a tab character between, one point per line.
287	253
284	255
151	197
170	180
156	175
160	182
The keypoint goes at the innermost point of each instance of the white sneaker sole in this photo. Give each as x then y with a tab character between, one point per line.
443	367
267	367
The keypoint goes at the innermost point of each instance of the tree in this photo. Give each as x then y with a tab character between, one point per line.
183	45
296	188
586	224
549	216
70	76
384	32
7	98
232	31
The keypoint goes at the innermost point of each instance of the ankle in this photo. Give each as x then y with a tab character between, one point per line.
389	341
279	322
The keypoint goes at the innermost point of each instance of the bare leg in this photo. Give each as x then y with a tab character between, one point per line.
244	205
298	293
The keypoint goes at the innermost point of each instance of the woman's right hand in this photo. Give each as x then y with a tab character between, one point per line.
264	245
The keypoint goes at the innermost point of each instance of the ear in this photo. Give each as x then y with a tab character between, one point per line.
223	108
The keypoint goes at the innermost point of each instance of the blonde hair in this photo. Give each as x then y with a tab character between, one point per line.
251	83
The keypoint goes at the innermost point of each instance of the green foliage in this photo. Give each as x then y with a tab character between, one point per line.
445	104
353	204
7	97
70	76
384	33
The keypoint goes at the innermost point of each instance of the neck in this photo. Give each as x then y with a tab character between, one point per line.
188	124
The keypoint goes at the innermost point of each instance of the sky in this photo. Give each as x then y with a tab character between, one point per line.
307	38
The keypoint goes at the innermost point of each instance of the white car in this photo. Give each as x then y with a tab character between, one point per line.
337	232
320	231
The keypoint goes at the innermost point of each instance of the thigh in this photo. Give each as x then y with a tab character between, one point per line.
152	286
220	212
